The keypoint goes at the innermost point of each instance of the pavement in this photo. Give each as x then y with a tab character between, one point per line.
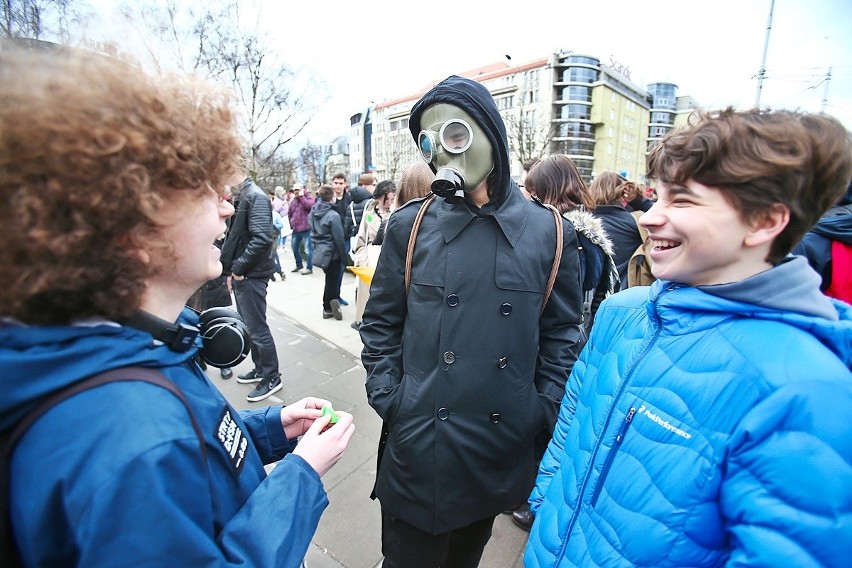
322	358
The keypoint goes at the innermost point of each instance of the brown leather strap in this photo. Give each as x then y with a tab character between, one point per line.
412	239
557	259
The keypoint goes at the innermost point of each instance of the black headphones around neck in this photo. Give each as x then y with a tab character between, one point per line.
225	338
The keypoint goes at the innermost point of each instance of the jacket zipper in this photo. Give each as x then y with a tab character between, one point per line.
611	457
576	513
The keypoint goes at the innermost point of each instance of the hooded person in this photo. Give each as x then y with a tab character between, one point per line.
329	249
467	359
831	236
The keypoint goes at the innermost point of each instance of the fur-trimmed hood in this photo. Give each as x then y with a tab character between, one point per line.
592	227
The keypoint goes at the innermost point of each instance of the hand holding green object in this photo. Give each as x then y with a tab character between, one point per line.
329	410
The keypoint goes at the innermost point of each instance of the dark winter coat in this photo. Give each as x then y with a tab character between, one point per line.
464	369
326	234
342	207
250	243
835	225
360	198
621	228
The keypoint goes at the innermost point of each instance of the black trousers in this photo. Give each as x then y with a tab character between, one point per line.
250	294
333	274
405	546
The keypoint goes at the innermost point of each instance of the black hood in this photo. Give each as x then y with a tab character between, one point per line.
474	99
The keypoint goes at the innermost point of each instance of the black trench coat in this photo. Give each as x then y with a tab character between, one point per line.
463	370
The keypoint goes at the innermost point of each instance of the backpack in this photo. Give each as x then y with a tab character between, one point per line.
639	265
9	439
841	272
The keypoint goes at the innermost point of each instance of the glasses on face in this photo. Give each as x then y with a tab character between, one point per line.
455	137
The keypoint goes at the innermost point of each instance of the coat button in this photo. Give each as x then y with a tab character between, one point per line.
453	300
502	361
449	357
443	413
494	417
506	309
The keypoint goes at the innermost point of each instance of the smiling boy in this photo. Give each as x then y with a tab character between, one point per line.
706	421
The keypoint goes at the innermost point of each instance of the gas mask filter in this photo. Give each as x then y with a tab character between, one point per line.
457	147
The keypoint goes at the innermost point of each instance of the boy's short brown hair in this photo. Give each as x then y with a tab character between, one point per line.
325	192
759	158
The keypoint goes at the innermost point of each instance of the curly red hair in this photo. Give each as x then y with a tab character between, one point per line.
91	149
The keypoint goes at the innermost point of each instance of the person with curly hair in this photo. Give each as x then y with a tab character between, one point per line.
113	183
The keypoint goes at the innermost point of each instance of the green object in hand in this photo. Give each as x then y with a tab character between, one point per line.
330	411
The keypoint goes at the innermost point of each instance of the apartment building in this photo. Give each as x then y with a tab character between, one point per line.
565	103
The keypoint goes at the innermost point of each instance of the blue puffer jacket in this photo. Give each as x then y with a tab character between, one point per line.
704	427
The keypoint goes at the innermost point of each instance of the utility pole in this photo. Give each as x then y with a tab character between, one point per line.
762	72
825	93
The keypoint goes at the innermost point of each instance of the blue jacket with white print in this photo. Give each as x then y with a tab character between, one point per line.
114	476
704	426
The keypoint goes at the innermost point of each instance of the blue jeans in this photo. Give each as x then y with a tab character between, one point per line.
250	294
298	237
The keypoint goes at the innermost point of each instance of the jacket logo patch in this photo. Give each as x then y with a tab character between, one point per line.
643	411
233	440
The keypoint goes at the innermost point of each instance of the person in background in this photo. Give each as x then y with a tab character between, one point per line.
299	209
609	190
360	195
329	249
341	204
556	181
414	182
366	253
467	360
681	441
114	188
528	165
248	258
277	226
828	248
281	204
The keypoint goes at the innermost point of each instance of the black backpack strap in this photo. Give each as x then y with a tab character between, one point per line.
8	552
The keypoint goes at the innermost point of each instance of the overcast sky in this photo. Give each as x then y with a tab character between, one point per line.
368	51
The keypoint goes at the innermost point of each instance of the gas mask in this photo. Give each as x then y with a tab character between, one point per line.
457	147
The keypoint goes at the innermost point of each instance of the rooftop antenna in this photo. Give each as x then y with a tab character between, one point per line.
762	72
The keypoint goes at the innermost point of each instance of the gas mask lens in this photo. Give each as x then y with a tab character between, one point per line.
455	135
426	143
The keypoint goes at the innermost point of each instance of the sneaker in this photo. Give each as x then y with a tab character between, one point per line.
297	269
265	389
335	310
343	302
226	373
283	276
306	271
250	377
327	314
356	325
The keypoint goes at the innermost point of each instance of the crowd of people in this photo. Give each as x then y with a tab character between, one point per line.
591	359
